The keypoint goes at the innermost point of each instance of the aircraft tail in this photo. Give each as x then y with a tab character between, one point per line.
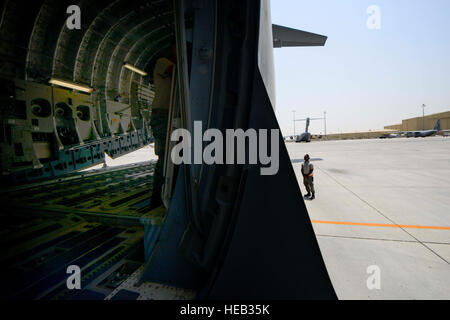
437	127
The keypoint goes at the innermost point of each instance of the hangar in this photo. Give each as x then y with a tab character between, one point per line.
416	123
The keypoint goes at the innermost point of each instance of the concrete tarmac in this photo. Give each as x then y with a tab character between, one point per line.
382	211
379	202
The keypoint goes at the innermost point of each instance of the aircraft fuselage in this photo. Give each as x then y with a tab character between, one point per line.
304	137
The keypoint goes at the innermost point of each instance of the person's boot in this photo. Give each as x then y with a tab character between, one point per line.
313	196
307	195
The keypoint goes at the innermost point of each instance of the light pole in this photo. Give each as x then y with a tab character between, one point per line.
293	111
325	122
423	117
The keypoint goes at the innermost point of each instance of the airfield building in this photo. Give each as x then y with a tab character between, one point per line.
417	123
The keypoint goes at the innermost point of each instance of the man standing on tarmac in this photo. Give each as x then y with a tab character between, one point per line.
308	180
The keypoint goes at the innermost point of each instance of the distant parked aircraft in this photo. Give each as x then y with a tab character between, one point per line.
305	136
391	135
424	133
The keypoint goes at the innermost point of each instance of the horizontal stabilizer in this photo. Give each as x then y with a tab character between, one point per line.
288	37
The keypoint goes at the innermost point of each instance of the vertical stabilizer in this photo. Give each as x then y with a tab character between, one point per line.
437	127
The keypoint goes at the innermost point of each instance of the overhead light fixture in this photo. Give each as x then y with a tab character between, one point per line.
71	85
133	68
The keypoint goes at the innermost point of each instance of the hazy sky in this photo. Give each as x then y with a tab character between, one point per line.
364	79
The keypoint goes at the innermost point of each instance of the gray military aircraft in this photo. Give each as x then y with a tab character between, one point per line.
305	136
424	133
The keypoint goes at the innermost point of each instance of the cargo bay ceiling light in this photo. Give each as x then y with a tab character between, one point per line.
71	85
133	68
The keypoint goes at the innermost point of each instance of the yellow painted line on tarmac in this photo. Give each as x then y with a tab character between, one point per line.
380	225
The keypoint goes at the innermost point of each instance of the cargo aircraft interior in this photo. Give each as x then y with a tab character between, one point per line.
77	84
